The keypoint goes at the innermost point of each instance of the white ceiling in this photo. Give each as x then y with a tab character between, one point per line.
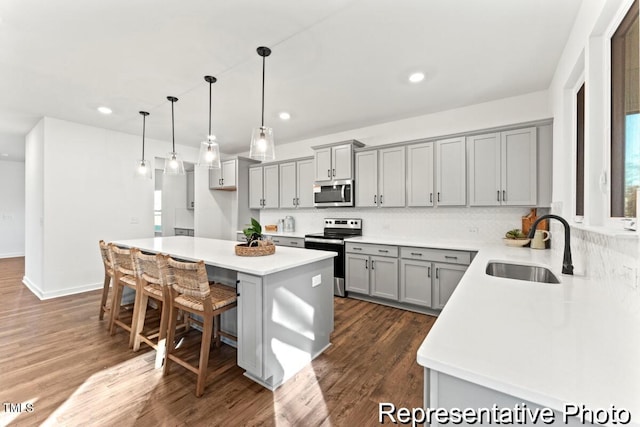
336	64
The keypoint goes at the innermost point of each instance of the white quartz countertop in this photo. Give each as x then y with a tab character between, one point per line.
221	253
549	344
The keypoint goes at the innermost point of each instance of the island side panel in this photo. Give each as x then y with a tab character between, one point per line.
298	320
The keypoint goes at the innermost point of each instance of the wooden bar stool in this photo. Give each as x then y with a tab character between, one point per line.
149	286
124	276
108	276
188	289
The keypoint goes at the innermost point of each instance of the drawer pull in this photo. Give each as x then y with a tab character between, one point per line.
437	275
450	257
356	249
366	263
383	250
372	261
504	196
294	243
416	254
429	272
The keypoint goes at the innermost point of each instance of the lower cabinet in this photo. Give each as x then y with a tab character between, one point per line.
411	276
372	275
250	351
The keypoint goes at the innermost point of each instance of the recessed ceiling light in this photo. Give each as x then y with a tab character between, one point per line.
105	110
285	116
416	77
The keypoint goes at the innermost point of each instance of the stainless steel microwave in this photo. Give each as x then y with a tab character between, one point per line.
333	193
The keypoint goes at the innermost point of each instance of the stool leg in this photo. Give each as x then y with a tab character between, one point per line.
161	348
204	355
140	313
171	332
105	293
115	306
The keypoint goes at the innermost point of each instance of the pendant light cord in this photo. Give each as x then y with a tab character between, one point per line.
173	135
209	136
144	117
263	60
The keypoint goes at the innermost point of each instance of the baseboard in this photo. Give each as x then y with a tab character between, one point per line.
12	255
43	295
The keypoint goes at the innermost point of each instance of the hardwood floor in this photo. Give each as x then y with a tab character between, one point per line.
58	356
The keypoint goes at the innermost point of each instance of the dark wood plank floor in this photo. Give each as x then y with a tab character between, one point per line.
57	356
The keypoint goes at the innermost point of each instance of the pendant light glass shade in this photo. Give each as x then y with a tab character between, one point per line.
173	164
262	145
209	149
143	167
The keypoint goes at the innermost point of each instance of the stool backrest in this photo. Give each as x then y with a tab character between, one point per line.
188	278
122	260
104	252
146	266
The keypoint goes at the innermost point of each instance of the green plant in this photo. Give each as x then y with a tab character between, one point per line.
253	233
516	233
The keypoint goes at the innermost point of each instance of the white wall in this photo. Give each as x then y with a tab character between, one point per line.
11	209
502	112
34	207
174	197
89	193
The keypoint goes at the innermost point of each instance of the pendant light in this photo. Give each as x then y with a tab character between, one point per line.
262	145
143	167
209	148
173	164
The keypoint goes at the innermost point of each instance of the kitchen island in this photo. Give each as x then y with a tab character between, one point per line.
285	301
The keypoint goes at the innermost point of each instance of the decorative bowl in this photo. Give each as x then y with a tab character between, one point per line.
523	241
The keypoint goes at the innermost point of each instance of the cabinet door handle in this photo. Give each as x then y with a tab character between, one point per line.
429	272
381	199
504	195
416	253
328	173
220	181
438	196
372	261
430	197
366	264
294	201
383	250
437	271
450	257
334	172
294	243
276	241
375	199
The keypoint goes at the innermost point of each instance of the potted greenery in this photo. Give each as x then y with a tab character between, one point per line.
256	245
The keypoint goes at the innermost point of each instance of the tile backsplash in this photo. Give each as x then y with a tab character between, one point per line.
481	224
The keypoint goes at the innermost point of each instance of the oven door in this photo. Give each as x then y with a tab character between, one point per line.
333	194
334	245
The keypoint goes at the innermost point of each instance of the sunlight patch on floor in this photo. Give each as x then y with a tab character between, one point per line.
120	392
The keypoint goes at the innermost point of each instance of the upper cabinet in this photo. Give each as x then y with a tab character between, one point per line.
263	187
224	178
296	184
450	172
420	174
503	168
334	162
380	177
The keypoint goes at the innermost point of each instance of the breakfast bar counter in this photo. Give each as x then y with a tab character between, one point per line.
285	301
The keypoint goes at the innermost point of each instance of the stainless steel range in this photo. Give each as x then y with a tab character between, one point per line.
332	239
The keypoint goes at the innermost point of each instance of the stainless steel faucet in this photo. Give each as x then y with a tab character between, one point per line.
567	264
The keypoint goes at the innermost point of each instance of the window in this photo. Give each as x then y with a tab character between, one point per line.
580	151
625	116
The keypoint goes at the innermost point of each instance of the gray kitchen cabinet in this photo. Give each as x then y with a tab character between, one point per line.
250	322
263	187
429	276
372	270
224	178
293	242
334	162
190	190
415	282
357	273
184	232
451	179
446	278
296	184
384	277
503	168
420	174
380	177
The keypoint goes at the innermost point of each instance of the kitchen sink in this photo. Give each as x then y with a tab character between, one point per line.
530	273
